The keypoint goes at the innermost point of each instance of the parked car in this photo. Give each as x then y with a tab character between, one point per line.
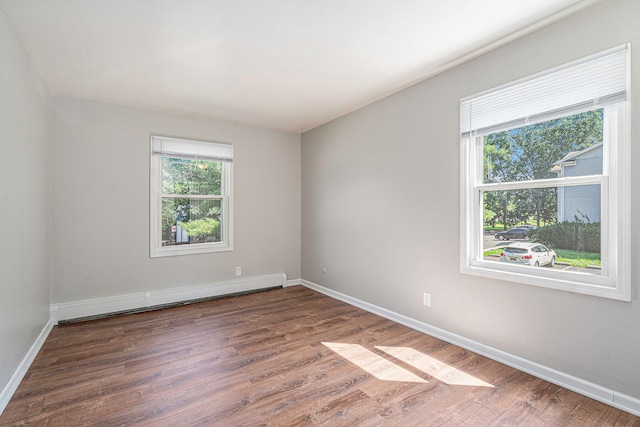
534	254
514	233
527	226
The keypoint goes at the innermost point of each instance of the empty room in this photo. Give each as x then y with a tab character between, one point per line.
409	213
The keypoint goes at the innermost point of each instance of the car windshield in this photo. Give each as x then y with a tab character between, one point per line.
516	250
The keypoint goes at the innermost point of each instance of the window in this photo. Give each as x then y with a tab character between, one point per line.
549	156
191	203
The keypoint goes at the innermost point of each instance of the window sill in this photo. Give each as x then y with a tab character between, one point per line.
599	286
204	248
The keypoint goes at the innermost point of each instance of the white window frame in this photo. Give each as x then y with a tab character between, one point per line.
615	279
175	147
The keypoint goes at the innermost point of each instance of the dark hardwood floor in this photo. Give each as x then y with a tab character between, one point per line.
283	357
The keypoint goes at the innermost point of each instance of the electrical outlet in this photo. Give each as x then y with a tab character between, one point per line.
324	270
426	299
238	270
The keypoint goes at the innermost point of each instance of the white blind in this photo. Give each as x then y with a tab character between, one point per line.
583	85
194	150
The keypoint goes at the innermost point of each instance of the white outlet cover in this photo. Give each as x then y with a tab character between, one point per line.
426	299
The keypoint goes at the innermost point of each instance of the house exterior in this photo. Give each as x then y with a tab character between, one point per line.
581	202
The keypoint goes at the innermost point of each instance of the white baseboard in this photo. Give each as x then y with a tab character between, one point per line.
7	391
293	282
586	388
99	306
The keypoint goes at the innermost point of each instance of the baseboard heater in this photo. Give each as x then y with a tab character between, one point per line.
162	306
97	308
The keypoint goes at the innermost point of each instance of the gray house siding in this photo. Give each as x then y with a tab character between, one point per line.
581	202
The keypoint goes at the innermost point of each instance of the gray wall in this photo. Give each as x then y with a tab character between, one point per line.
101	202
25	215
381	211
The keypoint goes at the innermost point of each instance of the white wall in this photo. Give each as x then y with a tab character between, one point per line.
25	225
101	202
381	211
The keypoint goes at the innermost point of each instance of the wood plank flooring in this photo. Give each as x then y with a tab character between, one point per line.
285	357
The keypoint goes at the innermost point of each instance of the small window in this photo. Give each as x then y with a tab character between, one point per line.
191	203
550	153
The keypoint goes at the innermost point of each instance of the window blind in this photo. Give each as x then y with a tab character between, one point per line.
590	83
193	150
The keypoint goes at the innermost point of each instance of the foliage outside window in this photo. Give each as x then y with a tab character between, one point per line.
550	153
190	197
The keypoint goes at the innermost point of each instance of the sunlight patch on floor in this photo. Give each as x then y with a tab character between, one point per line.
377	366
433	367
386	370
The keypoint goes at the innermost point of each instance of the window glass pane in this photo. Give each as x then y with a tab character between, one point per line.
580	203
183	176
568	146
563	219
534	207
188	221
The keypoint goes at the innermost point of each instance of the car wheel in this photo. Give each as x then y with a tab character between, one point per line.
500	237
537	264
553	262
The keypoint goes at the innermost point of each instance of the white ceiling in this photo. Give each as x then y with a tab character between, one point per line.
283	64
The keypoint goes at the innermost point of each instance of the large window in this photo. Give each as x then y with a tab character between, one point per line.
545	174
191	205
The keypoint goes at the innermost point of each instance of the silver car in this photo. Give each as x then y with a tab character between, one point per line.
534	254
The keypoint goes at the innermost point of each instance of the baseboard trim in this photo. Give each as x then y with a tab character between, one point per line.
12	385
293	282
122	303
586	388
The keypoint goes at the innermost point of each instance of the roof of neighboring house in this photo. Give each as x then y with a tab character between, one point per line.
572	156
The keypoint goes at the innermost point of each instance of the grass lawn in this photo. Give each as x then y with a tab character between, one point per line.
500	227
495	252
575	258
578	259
495	228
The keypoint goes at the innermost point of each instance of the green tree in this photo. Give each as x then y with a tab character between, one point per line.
191	178
498	202
528	153
489	216
204	229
